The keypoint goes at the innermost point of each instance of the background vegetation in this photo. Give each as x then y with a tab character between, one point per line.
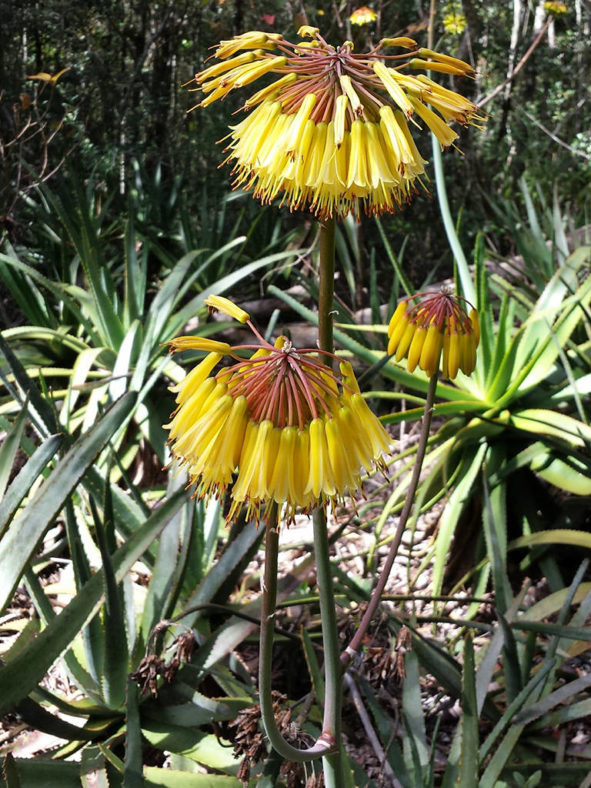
115	223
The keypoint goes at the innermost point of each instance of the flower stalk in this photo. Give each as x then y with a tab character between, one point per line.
328	745
324	744
354	646
333	764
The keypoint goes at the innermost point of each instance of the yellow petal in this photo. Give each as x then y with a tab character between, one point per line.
396	318
399	41
442	131
225	65
199	343
370	426
453	359
398	95
475	326
340	115
307	31
227	307
358	156
405	340
429	360
298	122
351	93
191	382
282	468
320	480
416	346
270	90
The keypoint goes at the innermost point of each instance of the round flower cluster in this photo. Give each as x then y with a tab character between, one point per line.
555	8
454	23
279	425
437	322
332	133
363	16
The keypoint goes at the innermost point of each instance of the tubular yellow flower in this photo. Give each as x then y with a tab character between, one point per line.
228	307
280	425
330	134
428	327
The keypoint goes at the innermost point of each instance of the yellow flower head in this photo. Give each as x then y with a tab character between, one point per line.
555	8
330	132
454	22
426	324
276	424
363	16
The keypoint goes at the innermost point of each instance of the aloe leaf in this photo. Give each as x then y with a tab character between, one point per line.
218	708
218	574
581	387
77	219
33	772
469	720
129	513
461	263
9	448
191	714
404	281
552	700
19	677
123	364
41	719
574	711
554	602
133	769
571	474
386	731
167	573
82	366
487	332
494	520
38	408
135	273
24	291
313	665
413	715
551	424
438	662
471	465
26	477
553	774
204	748
163	316
566	631
556	645
93	634
23	534
172	778
115	655
93	768
553	536
516	704
88	682
63	293
9	776
500	757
